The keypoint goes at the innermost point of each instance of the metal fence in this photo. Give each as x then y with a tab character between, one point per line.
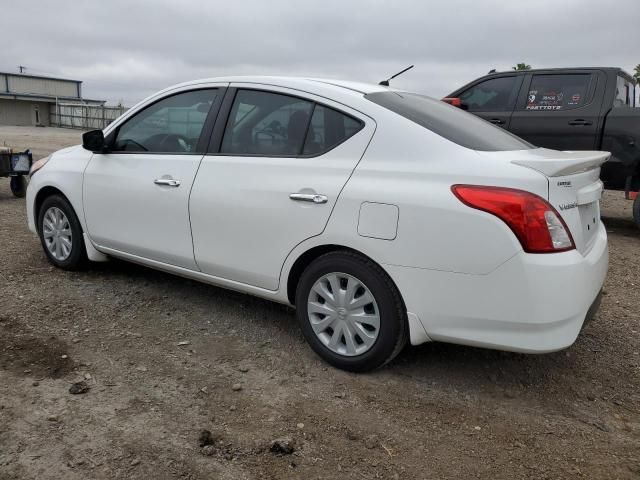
86	117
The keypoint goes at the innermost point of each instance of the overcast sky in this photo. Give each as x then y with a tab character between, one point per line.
124	50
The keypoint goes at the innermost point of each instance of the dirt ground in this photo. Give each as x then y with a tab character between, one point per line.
247	376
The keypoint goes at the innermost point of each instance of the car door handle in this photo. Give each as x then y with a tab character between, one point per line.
169	182
308	197
580	121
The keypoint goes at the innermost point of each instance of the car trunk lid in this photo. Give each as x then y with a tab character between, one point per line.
574	188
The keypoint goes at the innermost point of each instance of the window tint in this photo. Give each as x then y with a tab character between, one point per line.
557	92
449	122
172	125
493	95
328	128
264	123
625	94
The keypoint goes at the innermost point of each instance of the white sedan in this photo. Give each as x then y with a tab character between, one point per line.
383	216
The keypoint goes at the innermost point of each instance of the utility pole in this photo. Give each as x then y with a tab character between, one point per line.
22	68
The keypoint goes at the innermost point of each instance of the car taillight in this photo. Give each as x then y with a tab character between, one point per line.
536	224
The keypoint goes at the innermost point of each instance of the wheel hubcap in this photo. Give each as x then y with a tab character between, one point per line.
56	231
343	314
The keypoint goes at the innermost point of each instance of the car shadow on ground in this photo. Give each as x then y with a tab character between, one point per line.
462	366
458	366
189	291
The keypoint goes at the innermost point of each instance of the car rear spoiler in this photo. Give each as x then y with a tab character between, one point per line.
558	164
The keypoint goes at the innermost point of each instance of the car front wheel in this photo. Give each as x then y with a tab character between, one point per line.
350	312
61	234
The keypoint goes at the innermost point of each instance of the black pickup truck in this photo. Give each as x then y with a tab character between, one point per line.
567	109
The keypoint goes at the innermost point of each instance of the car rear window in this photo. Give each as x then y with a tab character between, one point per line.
449	122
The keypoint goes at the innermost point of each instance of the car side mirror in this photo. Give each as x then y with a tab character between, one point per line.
93	141
456	102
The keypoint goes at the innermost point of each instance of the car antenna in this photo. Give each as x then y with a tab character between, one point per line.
385	83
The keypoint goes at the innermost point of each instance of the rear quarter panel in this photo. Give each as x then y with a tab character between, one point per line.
414	169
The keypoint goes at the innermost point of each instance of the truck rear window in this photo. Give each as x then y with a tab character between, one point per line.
449	122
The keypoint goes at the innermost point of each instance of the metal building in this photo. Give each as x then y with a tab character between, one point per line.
30	99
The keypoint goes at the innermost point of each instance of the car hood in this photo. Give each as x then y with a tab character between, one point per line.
66	150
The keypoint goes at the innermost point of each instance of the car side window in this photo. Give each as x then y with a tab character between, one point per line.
558	92
266	123
493	95
171	125
328	128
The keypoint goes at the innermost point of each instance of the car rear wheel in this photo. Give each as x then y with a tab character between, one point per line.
350	312
61	234
636	210
18	186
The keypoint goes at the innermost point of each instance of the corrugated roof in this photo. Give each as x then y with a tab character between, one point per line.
43	77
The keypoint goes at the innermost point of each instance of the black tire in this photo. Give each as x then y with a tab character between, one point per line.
18	186
636	210
393	330
77	258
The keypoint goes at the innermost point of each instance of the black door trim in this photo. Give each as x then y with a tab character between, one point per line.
210	121
222	117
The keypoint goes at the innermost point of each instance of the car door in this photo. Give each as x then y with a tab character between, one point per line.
278	161
136	196
560	110
492	99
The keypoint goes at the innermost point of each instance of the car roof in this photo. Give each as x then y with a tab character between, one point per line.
302	83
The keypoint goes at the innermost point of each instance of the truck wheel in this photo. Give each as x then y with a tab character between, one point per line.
636	210
18	186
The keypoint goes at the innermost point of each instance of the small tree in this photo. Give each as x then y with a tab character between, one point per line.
636	73
522	66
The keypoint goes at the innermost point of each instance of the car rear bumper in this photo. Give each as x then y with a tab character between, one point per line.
531	303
